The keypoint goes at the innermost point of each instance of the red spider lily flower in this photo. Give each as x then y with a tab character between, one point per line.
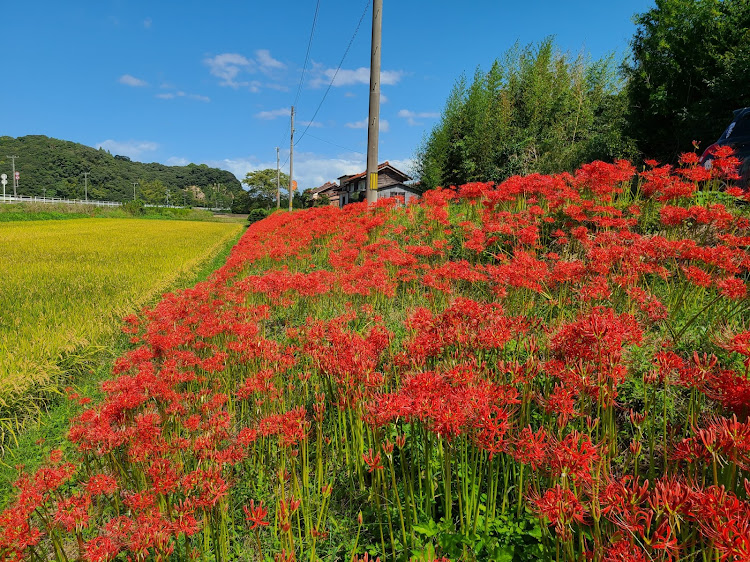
100	484
575	456
16	534
73	513
624	551
401	440
623	502
387	447
561	508
101	549
665	539
315	532
373	461
530	447
287	508
256	515
283	556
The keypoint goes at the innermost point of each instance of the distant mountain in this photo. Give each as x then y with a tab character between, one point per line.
55	168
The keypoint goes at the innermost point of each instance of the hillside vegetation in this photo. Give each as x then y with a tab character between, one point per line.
55	168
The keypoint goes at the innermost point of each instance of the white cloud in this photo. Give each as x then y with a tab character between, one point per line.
315	124
351	95
412	116
407	165
277	87
129	80
310	170
383	98
274	113
266	61
147	23
227	66
357	124
132	149
384	125
361	75
177	161
180	94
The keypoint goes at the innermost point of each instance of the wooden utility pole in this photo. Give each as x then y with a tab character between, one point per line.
373	125
86	184
291	163
278	181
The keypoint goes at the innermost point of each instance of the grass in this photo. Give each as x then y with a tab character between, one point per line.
65	285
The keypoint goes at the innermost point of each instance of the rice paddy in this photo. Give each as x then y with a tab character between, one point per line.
65	286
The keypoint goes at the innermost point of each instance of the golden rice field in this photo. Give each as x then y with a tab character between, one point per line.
65	285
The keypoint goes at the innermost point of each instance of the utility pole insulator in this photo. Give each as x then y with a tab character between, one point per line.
373	123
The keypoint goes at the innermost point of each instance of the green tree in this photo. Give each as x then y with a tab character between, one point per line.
263	182
535	110
690	68
153	192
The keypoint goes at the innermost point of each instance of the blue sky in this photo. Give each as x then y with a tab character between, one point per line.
212	82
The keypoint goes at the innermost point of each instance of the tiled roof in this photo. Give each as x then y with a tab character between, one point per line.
326	186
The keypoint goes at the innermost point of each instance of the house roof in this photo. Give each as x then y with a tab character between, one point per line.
325	187
386	164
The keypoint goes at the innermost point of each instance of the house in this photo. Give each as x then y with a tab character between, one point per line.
328	189
391	183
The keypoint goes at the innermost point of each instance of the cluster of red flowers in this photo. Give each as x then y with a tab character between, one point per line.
549	342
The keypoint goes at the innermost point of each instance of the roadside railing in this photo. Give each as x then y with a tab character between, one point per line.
96	203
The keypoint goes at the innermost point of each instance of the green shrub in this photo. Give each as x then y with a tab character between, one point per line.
134	208
257	215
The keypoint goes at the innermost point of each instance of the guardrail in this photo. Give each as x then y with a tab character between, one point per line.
34	199
96	203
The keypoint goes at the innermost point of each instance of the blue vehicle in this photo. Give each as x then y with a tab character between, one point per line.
737	135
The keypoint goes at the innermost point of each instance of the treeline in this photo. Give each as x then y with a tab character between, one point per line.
538	109
55	168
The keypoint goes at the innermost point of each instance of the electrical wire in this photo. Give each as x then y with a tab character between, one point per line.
307	54
304	68
341	62
334	144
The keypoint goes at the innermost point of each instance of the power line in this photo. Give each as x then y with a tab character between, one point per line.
346	52
304	66
334	144
307	54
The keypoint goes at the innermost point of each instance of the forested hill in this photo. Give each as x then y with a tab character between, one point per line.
56	168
